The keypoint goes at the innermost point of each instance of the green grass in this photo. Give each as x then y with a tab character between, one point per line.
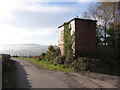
47	65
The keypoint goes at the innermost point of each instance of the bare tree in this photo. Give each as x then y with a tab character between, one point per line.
104	13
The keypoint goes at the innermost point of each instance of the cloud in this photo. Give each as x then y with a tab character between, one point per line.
25	19
43	32
87	0
14	35
28	16
43	8
73	0
39	15
46	36
31	21
7	7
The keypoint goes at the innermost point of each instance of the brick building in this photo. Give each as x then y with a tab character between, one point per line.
85	35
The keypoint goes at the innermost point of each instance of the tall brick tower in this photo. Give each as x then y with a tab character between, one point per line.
85	35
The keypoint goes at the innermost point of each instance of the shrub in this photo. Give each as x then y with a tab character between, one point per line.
43	56
59	60
49	55
84	64
30	56
51	48
105	53
53	52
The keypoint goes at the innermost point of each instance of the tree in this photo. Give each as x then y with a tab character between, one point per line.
51	48
104	13
99	35
114	36
91	13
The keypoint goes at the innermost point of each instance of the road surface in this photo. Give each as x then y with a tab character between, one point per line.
31	76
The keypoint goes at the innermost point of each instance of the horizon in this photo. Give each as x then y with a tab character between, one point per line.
23	49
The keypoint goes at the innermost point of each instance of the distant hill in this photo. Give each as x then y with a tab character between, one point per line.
23	49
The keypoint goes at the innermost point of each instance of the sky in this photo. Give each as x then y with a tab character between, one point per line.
36	21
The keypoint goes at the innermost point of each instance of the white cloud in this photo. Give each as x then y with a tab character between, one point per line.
43	8
51	16
87	0
45	36
73	0
7	7
14	35
43	32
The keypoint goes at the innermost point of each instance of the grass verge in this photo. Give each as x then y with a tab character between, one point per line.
47	65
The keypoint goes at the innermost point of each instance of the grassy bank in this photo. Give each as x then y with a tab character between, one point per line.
47	65
9	75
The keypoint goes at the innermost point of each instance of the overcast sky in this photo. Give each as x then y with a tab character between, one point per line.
34	21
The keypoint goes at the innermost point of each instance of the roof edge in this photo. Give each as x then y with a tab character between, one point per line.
78	19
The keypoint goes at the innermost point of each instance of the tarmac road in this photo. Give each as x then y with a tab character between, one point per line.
32	76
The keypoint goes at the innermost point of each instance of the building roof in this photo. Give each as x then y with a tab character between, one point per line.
78	19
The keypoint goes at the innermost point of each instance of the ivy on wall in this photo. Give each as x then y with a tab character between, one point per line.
68	40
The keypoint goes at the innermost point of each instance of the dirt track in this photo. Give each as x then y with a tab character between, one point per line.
30	76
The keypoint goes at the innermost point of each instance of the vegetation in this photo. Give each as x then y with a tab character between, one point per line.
105	13
46	64
8	72
108	31
67	39
105	59
68	43
100	61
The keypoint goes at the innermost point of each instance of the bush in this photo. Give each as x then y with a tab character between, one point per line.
43	55
105	53
103	58
84	64
59	60
51	48
81	64
49	55
100	60
107	56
